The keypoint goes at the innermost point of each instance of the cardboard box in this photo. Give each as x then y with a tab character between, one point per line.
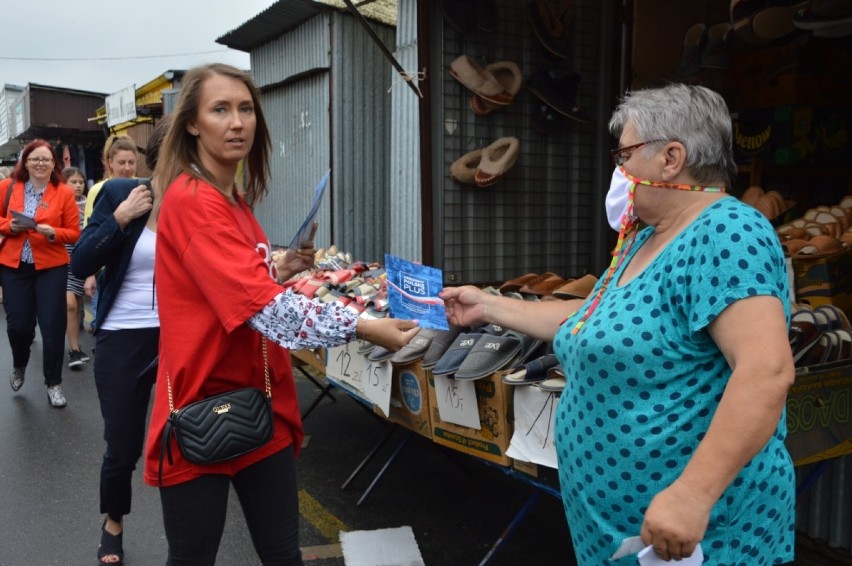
825	280
493	398
819	413
409	403
311	358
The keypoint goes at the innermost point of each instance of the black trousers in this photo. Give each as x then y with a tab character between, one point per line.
30	296
194	513
124	376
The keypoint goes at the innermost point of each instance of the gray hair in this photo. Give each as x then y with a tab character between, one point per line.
695	116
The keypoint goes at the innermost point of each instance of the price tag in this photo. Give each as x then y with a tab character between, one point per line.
533	438
376	379
345	364
457	401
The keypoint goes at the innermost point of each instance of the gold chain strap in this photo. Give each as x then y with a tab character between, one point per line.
265	377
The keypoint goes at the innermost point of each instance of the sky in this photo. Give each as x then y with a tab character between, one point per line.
104	46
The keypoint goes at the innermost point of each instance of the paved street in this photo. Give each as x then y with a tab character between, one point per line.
456	507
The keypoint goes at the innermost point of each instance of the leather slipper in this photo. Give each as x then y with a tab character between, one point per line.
479	80
507	74
415	349
489	355
529	284
515	284
544	287
449	363
496	161
577	289
464	168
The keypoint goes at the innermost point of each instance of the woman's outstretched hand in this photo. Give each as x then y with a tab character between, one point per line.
390	333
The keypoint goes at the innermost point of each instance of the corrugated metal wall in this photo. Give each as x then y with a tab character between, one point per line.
405	230
361	128
541	216
298	119
293	73
325	99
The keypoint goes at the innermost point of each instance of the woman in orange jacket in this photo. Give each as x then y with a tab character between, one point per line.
34	262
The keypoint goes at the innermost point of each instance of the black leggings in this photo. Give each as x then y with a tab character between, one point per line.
194	513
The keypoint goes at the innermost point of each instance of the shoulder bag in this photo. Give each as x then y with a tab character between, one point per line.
220	427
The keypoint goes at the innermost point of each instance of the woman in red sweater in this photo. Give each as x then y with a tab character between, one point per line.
34	262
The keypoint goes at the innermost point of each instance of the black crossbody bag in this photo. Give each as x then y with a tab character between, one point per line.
220	427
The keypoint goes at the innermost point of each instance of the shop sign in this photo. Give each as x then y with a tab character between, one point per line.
121	106
819	414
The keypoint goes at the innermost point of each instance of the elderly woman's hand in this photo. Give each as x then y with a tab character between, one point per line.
676	521
465	305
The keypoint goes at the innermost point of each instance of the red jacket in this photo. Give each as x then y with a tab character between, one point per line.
58	208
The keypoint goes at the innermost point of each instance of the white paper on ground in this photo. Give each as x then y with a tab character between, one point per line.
382	547
532	440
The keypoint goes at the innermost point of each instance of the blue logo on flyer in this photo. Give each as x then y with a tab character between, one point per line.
413	292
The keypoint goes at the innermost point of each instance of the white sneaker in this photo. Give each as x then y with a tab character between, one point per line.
55	396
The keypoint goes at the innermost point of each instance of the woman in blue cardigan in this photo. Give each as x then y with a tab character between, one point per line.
119	241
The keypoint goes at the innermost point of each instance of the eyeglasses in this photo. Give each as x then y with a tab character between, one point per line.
35	160
622	154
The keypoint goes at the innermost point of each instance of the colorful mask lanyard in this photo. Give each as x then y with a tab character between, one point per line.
627	233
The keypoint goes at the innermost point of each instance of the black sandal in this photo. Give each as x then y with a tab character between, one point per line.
111	545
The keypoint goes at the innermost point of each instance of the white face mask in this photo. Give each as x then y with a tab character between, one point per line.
617	198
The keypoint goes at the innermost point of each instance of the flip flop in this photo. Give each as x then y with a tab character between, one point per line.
489	355
534	371
555	381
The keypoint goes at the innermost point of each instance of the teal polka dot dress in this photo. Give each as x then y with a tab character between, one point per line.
643	382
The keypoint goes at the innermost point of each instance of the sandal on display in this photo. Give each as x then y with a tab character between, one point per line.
513	285
111	545
479	80
464	168
557	88
449	363
440	342
578	288
509	75
551	24
489	355
534	371
496	161
415	349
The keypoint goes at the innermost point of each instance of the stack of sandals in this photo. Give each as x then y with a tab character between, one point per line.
819	335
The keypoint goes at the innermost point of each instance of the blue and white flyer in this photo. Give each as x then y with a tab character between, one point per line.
413	292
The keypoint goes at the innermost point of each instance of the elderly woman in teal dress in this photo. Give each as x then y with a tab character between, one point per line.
672	424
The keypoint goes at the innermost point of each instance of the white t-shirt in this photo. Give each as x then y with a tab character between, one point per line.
135	305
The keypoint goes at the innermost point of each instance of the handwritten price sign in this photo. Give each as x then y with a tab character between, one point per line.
371	379
457	401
